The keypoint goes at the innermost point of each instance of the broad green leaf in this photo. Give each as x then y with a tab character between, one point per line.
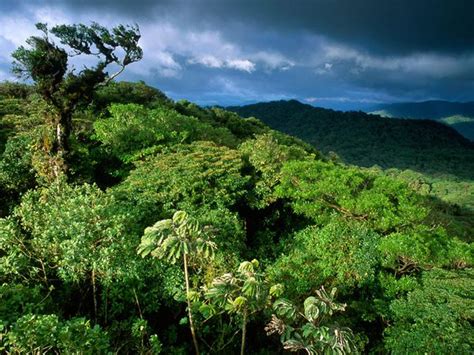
311	309
285	308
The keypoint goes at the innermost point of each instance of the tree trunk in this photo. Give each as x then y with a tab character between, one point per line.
61	147
190	316
244	333
94	294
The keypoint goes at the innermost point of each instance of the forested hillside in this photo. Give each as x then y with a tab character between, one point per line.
134	224
459	115
69	257
366	140
433	110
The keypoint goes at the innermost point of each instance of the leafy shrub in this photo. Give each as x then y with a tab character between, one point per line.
435	318
132	128
16	170
72	230
340	254
38	334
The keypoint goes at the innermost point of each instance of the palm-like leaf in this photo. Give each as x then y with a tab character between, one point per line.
223	289
250	287
276	325
276	290
244	293
178	239
328	300
285	308
297	345
179	217
307	330
311	309
170	239
239	303
246	267
147	245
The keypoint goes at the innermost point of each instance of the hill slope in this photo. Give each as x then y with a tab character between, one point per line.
71	280
459	115
366	140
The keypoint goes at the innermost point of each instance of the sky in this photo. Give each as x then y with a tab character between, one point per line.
342	54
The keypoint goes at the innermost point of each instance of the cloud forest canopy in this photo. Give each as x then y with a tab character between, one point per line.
182	229
366	140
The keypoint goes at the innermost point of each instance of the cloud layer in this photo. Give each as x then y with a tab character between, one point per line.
337	53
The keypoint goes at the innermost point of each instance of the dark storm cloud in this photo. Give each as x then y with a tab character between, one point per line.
389	26
344	53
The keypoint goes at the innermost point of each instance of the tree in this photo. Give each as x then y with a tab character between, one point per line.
46	334
342	254
42	242
266	156
245	293
47	64
132	128
178	238
317	189
201	178
436	317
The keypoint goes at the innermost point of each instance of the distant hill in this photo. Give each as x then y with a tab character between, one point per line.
459	115
364	139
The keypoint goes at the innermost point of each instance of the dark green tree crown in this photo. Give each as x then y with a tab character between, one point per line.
46	63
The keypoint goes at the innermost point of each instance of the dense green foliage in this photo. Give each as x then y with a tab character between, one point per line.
58	82
142	248
441	309
458	115
365	140
309	329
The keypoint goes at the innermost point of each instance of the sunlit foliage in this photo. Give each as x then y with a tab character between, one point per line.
196	192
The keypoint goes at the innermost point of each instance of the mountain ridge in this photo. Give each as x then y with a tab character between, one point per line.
458	115
365	139
428	109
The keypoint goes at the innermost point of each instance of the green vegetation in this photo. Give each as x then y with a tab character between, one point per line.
442	309
47	65
176	238
315	336
462	124
458	115
141	244
366	140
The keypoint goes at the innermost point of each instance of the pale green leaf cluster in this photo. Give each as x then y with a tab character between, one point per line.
266	155
245	291
171	239
311	328
343	254
318	188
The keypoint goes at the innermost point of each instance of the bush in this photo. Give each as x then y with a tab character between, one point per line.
38	334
